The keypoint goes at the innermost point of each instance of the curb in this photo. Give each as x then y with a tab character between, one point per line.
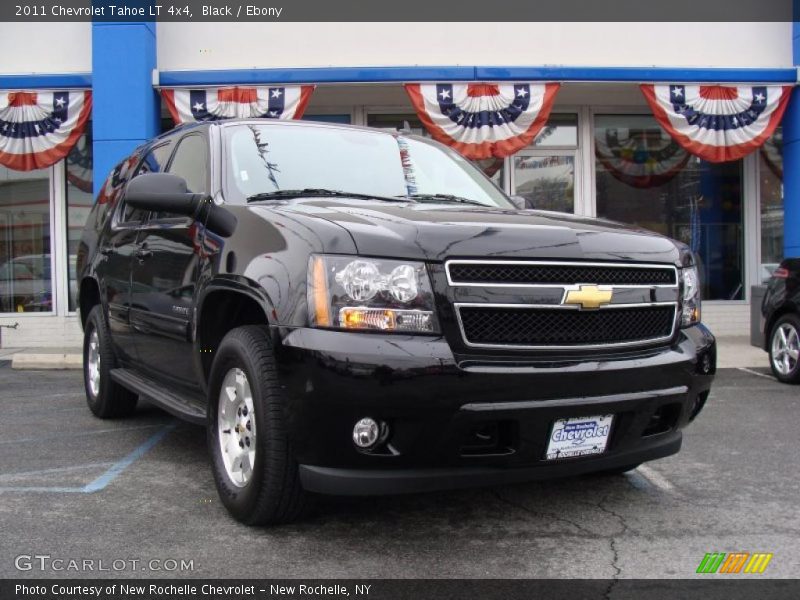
30	360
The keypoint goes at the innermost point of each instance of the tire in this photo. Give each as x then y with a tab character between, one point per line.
106	398
619	470
784	349
251	428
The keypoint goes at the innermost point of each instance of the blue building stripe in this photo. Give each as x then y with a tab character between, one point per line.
46	81
316	75
476	73
791	157
125	109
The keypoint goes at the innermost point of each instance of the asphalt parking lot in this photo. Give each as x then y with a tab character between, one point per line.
76	488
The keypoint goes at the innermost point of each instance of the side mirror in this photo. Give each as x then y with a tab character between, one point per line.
164	192
521	202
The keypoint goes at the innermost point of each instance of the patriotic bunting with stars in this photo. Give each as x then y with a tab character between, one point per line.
212	104
483	120
37	129
718	123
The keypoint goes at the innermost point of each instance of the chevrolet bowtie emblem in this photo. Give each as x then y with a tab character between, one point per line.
588	296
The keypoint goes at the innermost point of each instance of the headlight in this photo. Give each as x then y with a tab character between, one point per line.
346	292
690	314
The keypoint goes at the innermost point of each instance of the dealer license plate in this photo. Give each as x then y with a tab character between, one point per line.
579	436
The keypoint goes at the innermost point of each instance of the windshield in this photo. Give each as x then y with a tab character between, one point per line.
265	159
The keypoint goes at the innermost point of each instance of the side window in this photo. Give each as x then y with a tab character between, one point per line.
191	163
154	162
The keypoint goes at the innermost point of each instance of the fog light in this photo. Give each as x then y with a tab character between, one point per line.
366	433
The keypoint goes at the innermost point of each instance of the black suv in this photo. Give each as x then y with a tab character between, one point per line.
780	321
351	311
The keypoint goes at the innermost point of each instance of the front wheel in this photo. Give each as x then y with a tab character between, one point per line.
254	469
784	349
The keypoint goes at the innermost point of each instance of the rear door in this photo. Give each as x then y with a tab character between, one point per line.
117	249
165	272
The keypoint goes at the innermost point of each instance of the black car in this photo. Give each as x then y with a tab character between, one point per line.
780	322
351	311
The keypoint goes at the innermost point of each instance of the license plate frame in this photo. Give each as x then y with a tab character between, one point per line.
576	437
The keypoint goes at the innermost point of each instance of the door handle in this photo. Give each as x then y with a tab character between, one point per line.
143	254
106	250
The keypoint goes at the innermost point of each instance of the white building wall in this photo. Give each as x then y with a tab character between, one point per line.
727	318
40	331
208	46
45	48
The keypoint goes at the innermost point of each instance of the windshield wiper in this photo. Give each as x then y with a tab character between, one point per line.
443	198
323	192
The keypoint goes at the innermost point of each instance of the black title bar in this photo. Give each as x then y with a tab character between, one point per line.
708	587
405	11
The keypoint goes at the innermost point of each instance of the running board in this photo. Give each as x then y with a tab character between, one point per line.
180	405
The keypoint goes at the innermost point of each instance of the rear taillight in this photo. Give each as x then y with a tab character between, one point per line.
780	273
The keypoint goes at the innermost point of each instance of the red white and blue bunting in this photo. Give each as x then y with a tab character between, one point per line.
718	123
640	158
37	129
483	120
212	104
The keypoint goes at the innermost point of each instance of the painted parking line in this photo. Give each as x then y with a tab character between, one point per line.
646	479
752	372
109	475
117	468
76	434
39	472
655	478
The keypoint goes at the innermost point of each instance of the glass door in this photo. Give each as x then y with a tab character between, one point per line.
546	174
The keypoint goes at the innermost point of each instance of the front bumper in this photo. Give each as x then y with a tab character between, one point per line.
434	403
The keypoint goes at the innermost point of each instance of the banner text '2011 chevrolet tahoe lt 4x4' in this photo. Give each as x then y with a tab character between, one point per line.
352	311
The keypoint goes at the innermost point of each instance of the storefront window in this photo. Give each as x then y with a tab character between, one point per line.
560	131
770	178
644	178
79	201
25	270
546	182
544	173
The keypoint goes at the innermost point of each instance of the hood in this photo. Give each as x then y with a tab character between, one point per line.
436	232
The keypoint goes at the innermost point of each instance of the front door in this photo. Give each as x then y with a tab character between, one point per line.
115	273
165	270
162	295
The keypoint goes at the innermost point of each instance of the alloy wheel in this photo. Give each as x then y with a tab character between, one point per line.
236	427
785	349
93	364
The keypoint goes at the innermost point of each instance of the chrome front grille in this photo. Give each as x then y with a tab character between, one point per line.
542	326
522	273
525	322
